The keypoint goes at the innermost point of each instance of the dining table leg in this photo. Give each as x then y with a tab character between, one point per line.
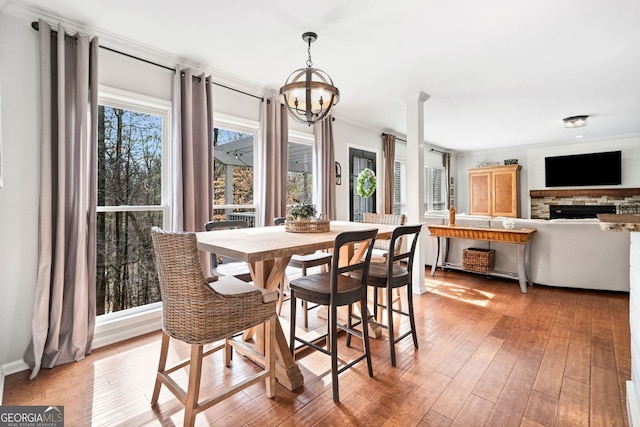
268	274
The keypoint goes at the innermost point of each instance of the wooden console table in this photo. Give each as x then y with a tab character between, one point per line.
521	237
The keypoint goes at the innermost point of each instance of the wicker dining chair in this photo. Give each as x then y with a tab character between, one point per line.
198	311
381	247
334	289
303	262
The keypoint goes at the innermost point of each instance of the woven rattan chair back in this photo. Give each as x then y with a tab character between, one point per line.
183	288
191	311
388	219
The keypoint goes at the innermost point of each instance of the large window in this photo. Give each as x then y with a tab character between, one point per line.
233	171
434	187
132	135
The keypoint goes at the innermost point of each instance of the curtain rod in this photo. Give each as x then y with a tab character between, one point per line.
36	27
438	151
399	139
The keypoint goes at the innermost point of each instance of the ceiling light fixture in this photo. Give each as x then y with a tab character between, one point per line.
575	121
309	93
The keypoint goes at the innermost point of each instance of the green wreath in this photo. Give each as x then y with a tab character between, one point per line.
366	183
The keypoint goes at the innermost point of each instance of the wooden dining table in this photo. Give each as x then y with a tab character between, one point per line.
268	250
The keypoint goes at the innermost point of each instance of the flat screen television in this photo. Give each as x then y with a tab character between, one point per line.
584	169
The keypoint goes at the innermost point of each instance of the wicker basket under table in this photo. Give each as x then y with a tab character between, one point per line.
478	260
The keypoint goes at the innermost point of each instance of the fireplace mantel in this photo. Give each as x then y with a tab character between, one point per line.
587	192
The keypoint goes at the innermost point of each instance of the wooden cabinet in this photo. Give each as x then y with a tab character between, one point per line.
495	191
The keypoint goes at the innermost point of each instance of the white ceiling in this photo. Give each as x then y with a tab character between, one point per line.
500	73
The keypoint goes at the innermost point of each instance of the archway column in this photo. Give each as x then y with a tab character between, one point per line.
415	182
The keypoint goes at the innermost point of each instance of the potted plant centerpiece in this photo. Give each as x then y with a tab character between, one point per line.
302	211
301	218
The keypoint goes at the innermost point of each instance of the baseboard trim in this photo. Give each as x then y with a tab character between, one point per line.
8	369
633	410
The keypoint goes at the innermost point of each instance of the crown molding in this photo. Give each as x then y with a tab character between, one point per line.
132	47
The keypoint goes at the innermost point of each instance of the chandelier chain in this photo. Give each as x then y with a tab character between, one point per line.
309	61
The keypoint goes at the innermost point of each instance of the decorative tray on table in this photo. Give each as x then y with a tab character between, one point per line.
315	226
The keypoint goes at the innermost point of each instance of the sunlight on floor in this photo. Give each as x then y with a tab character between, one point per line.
460	293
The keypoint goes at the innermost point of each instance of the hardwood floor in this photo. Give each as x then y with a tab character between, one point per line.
489	355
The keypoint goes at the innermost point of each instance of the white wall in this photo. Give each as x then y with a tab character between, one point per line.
18	197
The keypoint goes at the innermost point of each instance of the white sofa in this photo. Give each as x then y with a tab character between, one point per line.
571	253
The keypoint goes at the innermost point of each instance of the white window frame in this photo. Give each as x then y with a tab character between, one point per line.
124	324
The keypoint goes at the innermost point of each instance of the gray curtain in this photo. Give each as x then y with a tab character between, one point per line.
64	309
389	157
325	168
193	145
275	161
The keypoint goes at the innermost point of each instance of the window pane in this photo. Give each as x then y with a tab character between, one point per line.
438	189
399	185
130	175
126	274
129	158
300	173
233	168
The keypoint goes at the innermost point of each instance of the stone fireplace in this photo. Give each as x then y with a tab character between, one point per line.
579	211
616	199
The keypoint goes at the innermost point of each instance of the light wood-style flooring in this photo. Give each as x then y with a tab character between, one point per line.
489	355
